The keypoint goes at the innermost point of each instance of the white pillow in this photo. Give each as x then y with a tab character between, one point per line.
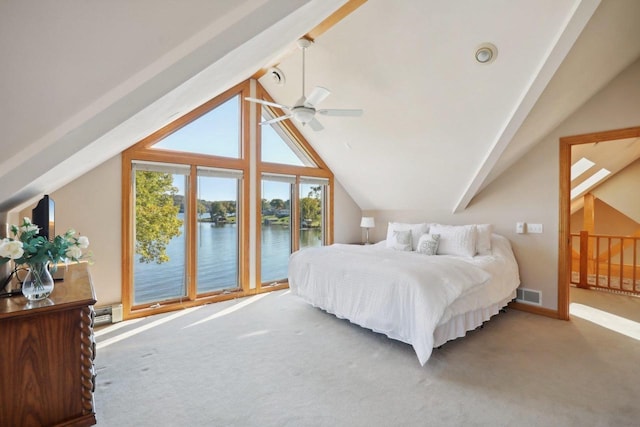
457	240
417	230
483	244
401	240
428	244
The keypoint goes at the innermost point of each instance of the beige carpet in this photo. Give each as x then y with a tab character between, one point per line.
273	360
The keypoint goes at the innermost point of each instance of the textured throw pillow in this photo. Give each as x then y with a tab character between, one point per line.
417	230
483	244
428	244
401	240
459	240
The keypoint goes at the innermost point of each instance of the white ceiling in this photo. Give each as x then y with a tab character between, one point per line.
83	81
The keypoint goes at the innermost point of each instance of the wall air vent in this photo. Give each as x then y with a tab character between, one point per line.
109	314
103	316
529	296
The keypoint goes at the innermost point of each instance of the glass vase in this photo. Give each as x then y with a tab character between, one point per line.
38	284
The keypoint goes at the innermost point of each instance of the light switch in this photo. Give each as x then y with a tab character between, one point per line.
534	228
520	227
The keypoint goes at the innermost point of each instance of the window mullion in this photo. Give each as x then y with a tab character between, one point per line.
295	216
192	202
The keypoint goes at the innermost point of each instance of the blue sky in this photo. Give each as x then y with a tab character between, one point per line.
218	133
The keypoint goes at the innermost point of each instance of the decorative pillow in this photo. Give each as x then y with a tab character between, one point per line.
428	244
457	240
417	230
401	240
483	244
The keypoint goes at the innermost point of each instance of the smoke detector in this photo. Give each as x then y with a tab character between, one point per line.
276	75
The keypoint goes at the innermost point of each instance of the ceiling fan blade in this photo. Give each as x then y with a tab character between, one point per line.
315	124
344	113
271	104
318	95
277	119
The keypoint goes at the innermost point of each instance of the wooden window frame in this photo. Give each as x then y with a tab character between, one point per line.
142	151
321	171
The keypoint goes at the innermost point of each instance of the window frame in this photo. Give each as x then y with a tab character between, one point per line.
320	171
249	225
142	151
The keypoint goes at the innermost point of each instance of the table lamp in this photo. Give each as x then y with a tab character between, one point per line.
367	222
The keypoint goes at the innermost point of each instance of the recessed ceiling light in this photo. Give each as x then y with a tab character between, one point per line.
486	53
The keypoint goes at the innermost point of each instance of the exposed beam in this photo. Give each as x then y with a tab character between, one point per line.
337	16
548	67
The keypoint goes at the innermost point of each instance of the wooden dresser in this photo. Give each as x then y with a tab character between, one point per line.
46	355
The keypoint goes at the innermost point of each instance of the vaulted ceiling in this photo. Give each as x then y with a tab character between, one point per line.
81	81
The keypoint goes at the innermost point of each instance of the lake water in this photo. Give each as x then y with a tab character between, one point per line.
217	261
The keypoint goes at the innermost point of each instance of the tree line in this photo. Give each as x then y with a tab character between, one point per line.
157	206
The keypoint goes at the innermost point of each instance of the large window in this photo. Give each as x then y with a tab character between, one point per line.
312	202
217	233
160	249
215	133
189	235
276	236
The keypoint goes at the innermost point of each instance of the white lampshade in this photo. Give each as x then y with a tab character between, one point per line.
367	222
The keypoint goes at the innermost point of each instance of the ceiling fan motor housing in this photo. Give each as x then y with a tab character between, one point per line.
303	114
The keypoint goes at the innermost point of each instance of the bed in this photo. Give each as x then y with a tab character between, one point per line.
415	298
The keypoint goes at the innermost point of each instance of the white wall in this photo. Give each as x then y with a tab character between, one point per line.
529	190
346	227
615	191
92	206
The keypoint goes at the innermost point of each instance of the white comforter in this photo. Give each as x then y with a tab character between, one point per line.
400	294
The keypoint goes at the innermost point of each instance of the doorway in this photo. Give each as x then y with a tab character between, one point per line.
566	161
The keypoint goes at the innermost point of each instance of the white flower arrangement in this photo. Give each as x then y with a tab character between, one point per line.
27	247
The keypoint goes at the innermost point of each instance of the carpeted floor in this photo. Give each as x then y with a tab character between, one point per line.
273	360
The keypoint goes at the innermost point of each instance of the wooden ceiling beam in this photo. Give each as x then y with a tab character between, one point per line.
337	16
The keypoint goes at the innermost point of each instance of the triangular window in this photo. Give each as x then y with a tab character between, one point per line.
215	133
279	147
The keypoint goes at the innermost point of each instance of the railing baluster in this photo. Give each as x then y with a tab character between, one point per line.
605	260
609	263
584	243
621	263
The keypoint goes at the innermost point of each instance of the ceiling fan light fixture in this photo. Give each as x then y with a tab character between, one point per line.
486	53
303	114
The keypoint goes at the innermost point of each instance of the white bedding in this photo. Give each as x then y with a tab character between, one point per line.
405	295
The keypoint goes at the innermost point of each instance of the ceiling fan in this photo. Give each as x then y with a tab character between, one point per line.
304	110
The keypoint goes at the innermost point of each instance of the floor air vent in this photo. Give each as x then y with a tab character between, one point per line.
529	296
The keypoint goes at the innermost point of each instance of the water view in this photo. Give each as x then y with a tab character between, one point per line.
217	261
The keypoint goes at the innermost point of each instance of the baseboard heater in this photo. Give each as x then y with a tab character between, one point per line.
108	314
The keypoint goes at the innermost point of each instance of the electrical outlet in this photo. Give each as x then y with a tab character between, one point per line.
534	228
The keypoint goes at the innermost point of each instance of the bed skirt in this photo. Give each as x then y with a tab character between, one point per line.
458	326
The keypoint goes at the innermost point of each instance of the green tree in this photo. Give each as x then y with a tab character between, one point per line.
217	210
310	209
277	204
315	192
157	219
230	206
202	208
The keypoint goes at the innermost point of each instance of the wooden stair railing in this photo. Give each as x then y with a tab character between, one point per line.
605	262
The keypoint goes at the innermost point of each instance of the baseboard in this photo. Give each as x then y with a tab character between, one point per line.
547	312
